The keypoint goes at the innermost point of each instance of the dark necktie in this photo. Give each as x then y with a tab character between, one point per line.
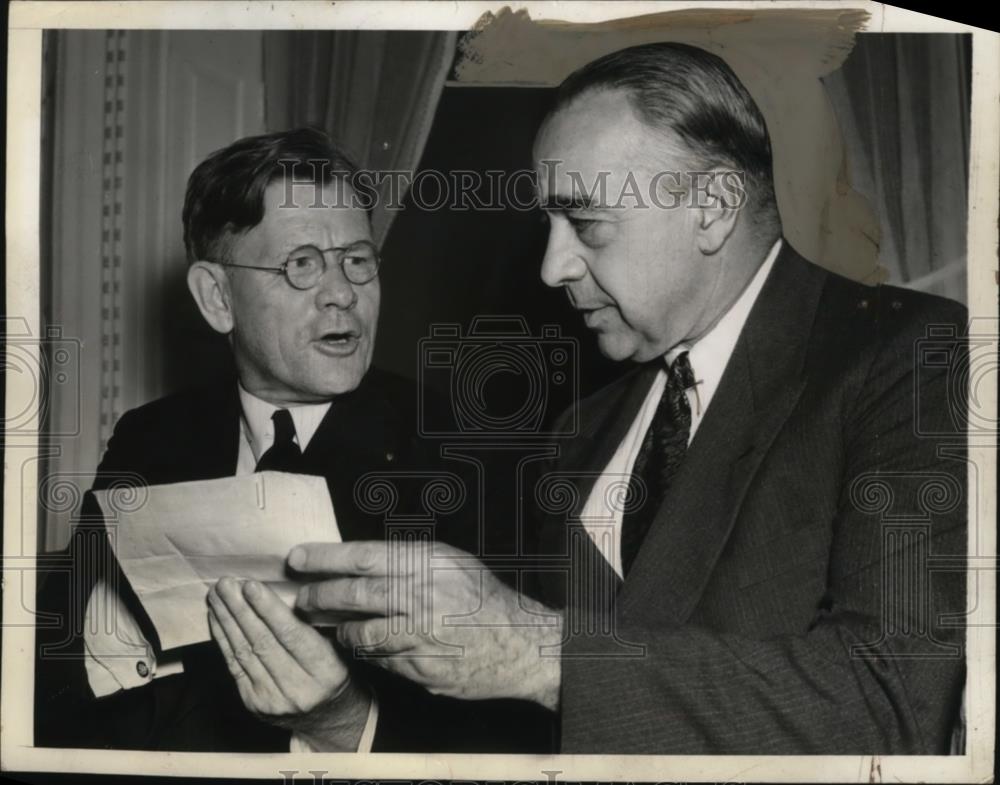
659	456
284	455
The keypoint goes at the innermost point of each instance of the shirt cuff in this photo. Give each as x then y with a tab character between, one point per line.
117	655
368	735
299	744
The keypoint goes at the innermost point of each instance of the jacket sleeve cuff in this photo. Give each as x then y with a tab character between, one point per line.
299	744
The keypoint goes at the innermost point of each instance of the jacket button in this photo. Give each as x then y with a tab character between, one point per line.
142	669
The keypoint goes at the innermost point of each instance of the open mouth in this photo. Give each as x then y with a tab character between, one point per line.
339	338
338	343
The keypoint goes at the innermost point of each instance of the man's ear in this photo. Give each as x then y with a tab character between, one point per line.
720	199
210	288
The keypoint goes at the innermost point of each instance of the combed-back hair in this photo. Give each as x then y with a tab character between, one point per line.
695	95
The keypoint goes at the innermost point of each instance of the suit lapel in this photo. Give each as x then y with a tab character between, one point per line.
760	387
604	425
215	435
359	427
604	420
359	434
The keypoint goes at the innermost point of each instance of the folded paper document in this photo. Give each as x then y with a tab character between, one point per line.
174	541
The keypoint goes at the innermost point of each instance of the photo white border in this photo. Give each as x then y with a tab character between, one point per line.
26	22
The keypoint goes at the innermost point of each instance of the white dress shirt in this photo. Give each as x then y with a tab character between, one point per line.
708	357
117	655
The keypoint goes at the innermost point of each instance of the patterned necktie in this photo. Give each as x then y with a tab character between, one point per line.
659	456
284	455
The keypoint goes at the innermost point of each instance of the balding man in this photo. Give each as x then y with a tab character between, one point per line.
764	584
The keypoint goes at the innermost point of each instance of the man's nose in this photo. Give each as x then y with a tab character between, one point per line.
335	290
563	262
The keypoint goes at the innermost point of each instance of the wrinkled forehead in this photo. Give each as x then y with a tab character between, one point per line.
323	214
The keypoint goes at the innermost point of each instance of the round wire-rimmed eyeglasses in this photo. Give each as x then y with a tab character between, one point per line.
306	265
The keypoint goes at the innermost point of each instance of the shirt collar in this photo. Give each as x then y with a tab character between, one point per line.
259	429
710	354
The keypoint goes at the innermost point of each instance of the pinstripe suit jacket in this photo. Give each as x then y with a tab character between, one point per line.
792	595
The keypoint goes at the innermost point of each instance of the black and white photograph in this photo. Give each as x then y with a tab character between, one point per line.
535	391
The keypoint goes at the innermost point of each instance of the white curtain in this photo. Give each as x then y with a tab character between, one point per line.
902	102
374	91
128	116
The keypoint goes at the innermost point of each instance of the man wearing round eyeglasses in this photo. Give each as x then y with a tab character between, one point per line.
283	264
301	321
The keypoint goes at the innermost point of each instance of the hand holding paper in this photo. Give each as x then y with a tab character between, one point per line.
179	539
285	670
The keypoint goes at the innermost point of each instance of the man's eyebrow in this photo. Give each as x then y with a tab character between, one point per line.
563	203
291	246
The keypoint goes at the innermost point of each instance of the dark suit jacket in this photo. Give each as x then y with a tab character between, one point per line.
790	597
195	436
